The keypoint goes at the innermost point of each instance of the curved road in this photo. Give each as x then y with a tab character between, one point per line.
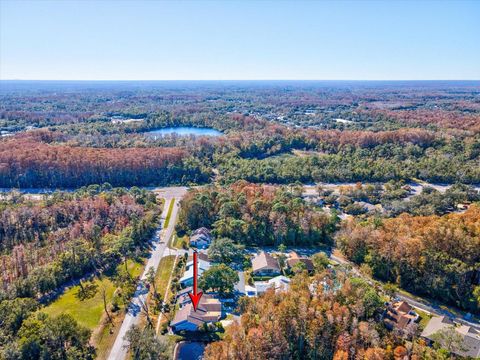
159	245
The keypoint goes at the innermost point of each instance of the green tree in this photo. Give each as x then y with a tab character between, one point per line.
320	261
43	337
219	278
225	251
150	277
449	339
476	295
146	346
299	267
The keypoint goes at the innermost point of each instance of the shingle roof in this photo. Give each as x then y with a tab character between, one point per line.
202	230
308	263
403	307
264	260
209	309
201	256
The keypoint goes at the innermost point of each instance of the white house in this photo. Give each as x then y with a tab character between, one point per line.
279	283
187	278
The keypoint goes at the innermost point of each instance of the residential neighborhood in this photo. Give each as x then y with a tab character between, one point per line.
263	272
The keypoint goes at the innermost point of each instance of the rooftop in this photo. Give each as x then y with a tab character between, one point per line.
470	336
264	260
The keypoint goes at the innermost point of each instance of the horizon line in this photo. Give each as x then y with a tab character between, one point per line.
239	79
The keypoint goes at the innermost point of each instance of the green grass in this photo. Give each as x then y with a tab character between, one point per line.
179	241
163	273
169	213
88	312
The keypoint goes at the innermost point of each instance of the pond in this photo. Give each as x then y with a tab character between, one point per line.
184	131
189	350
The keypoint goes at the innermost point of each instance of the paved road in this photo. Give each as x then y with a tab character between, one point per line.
422	305
160	240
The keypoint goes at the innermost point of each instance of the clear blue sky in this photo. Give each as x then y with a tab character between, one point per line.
221	40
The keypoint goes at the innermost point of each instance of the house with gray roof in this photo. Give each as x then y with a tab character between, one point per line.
201	238
209	311
466	339
265	265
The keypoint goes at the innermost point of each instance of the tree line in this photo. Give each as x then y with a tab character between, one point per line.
28	163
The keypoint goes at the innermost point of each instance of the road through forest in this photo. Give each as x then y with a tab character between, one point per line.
159	244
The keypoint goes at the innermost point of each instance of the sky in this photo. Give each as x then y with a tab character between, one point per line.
239	40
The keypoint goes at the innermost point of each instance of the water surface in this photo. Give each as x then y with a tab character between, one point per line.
184	131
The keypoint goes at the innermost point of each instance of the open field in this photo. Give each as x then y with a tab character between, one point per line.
89	311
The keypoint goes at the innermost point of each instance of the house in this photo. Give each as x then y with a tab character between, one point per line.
209	311
462	206
265	265
295	259
201	238
187	278
468	336
401	317
278	283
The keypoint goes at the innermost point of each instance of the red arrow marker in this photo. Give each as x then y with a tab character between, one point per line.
195	297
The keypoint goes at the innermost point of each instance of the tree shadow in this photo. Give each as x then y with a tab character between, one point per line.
87	291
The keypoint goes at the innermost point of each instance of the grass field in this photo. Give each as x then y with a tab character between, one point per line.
169	213
88	312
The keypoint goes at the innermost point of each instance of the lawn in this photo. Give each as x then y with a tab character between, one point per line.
169	213
163	273
179	241
88	312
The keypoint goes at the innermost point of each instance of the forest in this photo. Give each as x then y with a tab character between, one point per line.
334	321
434	256
27	163
64	239
272	132
256	215
68	235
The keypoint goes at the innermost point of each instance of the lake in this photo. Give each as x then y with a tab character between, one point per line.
188	350
184	131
